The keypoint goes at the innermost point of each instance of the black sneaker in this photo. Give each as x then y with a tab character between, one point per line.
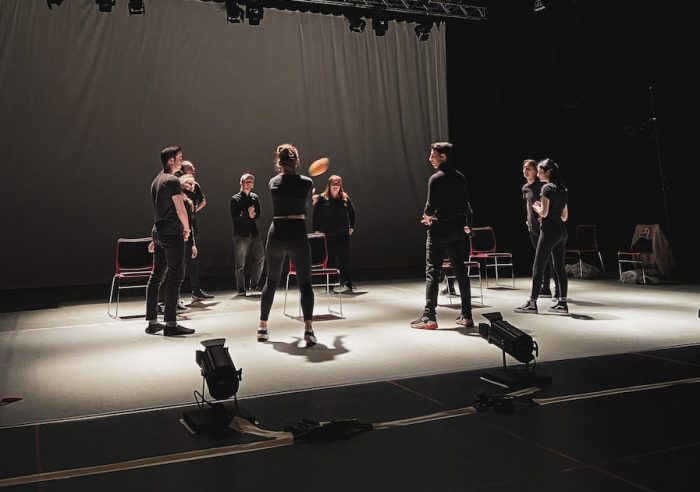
263	335
448	292
310	338
181	308
465	321
425	322
154	328
561	307
201	295
240	293
174	331
530	307
161	308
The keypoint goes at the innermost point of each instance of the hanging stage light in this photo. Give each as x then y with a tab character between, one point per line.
520	346
105	5
234	13
356	23
136	7
50	3
379	25
423	30
254	12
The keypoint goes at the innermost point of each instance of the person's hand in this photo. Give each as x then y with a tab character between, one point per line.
195	252
151	247
537	206
467	230
350	231
186	233
427	219
251	212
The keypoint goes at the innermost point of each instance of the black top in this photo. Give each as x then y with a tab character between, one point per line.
334	216
290	192
243	225
531	194
165	219
558	197
448	199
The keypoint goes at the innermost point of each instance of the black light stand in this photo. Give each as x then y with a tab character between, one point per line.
520	346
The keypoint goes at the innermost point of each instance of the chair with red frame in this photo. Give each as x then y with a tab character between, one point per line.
133	262
586	243
319	267
482	247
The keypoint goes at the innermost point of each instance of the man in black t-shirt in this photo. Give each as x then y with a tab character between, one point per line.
448	216
247	244
170	231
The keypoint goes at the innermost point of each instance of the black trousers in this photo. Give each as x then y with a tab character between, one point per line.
339	254
450	243
288	237
192	266
169	270
547	272
550	247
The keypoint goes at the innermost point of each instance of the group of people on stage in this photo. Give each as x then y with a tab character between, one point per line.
176	198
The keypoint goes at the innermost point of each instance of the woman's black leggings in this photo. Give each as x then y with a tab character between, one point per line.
551	244
288	237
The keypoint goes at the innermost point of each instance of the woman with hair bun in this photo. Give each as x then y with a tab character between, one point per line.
287	236
553	211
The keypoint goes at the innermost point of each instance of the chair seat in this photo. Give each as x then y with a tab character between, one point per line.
581	250
491	255
320	271
139	274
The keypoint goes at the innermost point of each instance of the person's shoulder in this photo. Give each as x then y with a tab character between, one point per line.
253	195
306	179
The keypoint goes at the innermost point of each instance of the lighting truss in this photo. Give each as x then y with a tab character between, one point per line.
455	9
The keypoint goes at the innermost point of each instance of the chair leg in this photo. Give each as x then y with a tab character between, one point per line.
116	311
111	293
580	265
619	268
644	275
600	257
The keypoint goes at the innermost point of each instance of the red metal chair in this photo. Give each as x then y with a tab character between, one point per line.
482	246
319	267
470	266
133	262
586	243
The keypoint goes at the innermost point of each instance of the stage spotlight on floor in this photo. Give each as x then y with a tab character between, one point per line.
222	379
254	12
105	5
51	3
520	346
380	25
423	30
356	23
234	14
136	7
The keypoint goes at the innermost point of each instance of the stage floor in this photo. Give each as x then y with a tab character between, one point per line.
76	361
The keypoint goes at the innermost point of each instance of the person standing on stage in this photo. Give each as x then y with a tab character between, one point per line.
334	215
170	231
247	244
448	216
531	193
553	211
200	201
287	236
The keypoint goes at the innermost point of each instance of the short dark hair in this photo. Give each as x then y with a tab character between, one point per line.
442	148
168	153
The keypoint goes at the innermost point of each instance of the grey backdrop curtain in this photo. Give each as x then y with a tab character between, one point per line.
88	99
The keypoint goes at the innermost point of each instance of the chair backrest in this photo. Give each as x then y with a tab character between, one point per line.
483	240
133	255
319	251
586	237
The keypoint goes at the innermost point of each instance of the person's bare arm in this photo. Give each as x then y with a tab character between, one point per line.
182	215
565	213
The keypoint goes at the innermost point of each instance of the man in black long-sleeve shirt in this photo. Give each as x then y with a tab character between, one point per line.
245	210
448	216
